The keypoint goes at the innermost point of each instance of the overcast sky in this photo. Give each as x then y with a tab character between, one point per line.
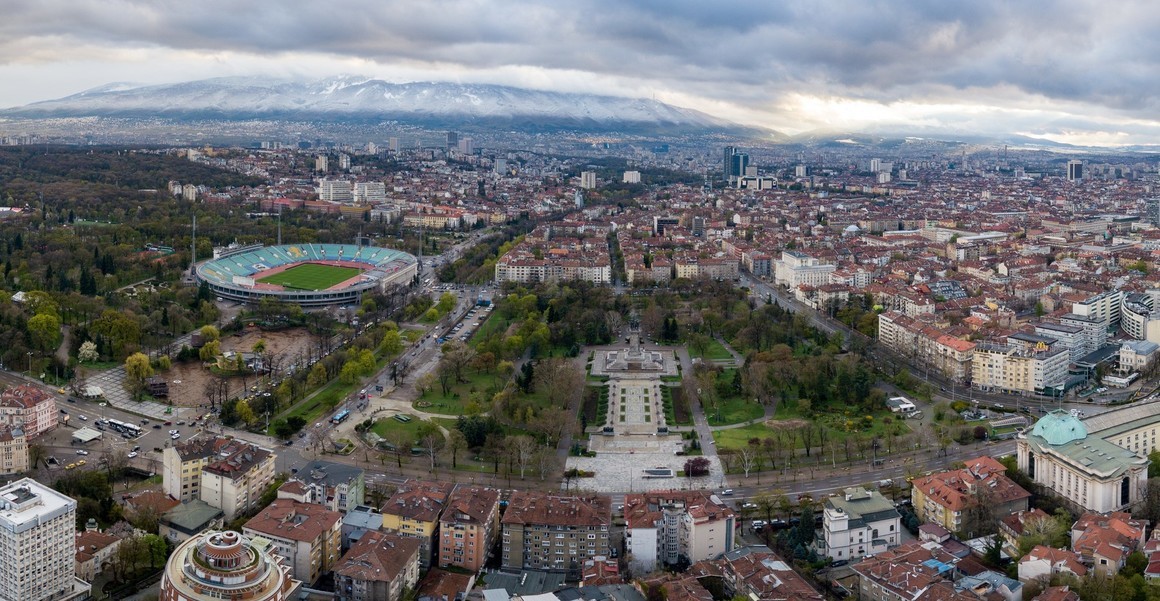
1073	71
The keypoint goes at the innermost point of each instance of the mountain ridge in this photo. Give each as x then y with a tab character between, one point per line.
353	98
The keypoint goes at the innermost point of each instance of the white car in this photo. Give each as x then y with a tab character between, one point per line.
175	436
132	454
82	452
83	418
172	432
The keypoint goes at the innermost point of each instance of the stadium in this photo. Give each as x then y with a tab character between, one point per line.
309	275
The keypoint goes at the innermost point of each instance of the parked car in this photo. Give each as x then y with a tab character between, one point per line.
82	452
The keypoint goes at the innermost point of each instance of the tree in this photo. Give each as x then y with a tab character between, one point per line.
318	375
44	331
210	350
1150	505
560	380
993	556
456	442
747	456
696	467
392	343
522	448
88	352
431	439
209	333
244	412
137	371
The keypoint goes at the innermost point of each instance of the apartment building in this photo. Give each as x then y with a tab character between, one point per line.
414	511
380	567
910	572
1106	541
556	533
1104	307
1014	368
30	408
1094	334
858	523
235	480
667	527
468	528
758	574
944	498
1073	338
306	535
927	346
13	450
37	543
94	551
335	486
181	465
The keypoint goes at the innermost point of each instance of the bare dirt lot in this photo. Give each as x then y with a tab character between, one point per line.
187	381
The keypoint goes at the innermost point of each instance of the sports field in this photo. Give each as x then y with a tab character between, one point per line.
311	276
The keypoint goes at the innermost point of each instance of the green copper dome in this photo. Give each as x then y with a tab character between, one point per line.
1059	427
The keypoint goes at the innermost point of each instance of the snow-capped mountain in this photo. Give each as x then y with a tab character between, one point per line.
362	99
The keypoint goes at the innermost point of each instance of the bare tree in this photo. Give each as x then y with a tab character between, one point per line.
560	380
807	435
458	358
772	447
747	458
522	449
552	422
545	461
432	441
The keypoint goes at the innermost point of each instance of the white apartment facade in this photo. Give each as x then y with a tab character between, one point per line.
665	526
37	544
335	190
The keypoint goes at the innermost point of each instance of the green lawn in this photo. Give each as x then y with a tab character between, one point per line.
386	426
838	427
492	323
714	352
733	410
455	402
311	276
320	404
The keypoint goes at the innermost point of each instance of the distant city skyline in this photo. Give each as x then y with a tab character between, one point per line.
1067	71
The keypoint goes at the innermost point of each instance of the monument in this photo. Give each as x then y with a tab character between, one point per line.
634	361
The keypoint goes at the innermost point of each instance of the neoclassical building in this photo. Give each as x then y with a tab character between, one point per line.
1099	464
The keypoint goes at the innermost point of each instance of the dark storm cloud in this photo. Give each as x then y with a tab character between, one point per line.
749	52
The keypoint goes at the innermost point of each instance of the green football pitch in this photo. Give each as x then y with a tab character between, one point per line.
311	276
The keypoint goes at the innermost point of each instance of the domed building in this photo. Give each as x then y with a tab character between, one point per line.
1099	464
226	565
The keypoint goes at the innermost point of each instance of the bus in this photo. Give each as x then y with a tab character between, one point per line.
124	428
340	416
